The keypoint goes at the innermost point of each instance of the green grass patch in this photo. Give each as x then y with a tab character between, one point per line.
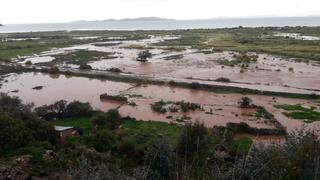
299	112
241	146
80	57
146	133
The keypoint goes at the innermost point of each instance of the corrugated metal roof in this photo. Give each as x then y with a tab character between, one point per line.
62	128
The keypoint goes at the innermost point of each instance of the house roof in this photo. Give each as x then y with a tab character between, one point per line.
62	128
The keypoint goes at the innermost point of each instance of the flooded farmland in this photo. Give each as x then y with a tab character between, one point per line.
267	72
216	109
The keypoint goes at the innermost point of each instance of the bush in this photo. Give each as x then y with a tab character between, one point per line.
158	106
28	63
110	120
78	109
13	133
54	70
223	79
126	147
157	160
195	85
102	141
245	102
85	67
144	55
193	139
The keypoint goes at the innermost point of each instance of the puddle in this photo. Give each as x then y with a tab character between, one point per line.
297	36
41	59
87	37
18	39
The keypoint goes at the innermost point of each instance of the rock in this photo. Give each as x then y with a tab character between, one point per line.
37	88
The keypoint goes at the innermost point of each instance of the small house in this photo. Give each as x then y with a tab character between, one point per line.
63	132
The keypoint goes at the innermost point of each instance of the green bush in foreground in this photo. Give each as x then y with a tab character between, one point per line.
13	133
110	119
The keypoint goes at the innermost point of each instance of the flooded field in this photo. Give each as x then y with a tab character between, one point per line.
268	72
216	109
58	87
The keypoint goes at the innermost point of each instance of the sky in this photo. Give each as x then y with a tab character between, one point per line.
44	11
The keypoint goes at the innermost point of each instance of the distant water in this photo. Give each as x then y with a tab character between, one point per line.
163	24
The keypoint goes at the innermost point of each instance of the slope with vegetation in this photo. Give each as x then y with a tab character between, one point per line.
108	145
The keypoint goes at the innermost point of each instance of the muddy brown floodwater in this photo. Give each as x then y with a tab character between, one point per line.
218	109
60	87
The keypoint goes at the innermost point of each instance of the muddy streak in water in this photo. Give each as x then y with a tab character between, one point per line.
57	87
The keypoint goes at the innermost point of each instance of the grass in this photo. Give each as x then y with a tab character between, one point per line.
299	112
55	39
151	131
81	57
239	59
144	132
260	40
241	146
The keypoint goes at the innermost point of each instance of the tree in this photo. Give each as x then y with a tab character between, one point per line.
13	106
13	133
110	120
102	141
39	129
78	109
144	55
59	107
245	102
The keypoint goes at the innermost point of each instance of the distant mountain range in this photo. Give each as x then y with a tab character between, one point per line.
130	19
209	19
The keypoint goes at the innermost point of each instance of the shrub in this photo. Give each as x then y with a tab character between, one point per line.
85	67
54	70
157	160
193	139
78	109
245	102
13	133
126	147
28	63
158	106
223	79
102	141
195	85
144	55
110	120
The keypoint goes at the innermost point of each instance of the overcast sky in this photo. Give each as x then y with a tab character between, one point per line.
40	11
